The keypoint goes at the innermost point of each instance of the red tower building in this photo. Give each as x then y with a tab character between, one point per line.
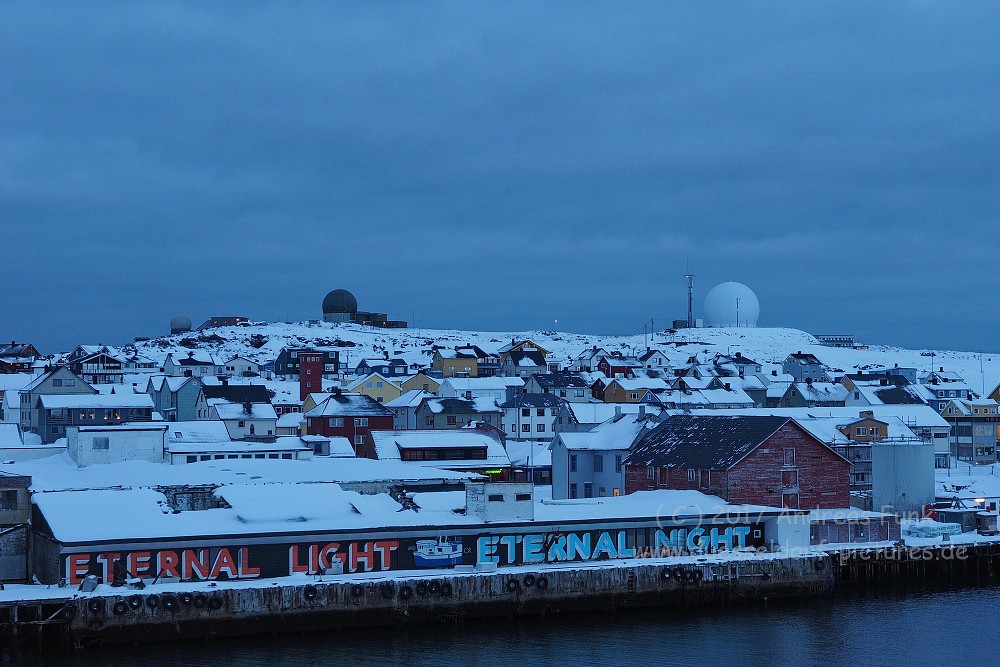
310	373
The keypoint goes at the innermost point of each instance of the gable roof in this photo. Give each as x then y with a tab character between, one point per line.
349	405
562	380
533	401
460	406
237	393
717	443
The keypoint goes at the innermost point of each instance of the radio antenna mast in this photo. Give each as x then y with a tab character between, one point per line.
690	279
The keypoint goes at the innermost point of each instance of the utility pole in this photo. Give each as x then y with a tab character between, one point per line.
690	279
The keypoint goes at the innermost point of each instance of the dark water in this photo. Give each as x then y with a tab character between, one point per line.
953	627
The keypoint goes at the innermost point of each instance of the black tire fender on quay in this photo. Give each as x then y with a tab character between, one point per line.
513	585
186	598
434	587
153	601
388	589
529	580
422	588
200	600
665	574
820	564
135	601
357	590
698	575
405	592
95	605
169	602
119	608
215	603
678	573
542	583
446	590
310	592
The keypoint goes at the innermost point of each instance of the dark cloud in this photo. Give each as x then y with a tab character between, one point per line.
499	165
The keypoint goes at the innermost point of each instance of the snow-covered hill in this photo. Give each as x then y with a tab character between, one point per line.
261	342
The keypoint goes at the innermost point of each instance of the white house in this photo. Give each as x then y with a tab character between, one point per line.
488	387
247	420
193	363
90	445
240	367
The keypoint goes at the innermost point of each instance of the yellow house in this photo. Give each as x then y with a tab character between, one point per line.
421	381
377	387
630	390
452	363
314	399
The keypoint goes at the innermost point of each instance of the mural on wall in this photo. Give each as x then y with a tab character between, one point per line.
250	561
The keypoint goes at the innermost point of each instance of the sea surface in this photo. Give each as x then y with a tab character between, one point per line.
943	627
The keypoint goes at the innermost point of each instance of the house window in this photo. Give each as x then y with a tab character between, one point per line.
359	440
562	393
618	462
242	424
861	430
102	443
525	412
540	412
788	456
598	463
857	395
650	472
69	382
572	462
8	500
57	383
452	420
336	422
522	496
495	498
572	490
691	474
634	395
588	490
361	421
578	393
525	428
192	459
541	428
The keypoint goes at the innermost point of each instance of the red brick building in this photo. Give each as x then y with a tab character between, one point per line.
755	460
352	416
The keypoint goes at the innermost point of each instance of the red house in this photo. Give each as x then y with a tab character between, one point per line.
352	416
616	368
753	460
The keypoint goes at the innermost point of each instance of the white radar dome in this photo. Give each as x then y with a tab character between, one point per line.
731	305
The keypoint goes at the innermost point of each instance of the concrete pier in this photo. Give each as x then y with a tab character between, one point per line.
198	610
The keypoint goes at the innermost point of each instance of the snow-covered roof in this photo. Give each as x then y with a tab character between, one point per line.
73	401
202	431
409	399
371	377
462	385
290	420
341	446
10	435
390	444
237	411
349	405
613	434
60	472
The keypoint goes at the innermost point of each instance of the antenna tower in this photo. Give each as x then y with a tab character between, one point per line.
690	279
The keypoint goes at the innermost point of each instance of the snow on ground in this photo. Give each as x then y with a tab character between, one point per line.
262	341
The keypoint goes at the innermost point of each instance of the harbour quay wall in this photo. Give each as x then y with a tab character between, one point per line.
198	610
898	564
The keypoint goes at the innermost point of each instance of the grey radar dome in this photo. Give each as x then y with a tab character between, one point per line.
180	324
731	305
340	302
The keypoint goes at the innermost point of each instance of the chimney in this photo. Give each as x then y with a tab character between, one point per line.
642	410
809	381
337	392
884	382
618	412
225	382
728	388
739	355
941	369
774	374
870	414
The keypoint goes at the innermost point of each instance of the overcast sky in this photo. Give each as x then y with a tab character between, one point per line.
500	165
